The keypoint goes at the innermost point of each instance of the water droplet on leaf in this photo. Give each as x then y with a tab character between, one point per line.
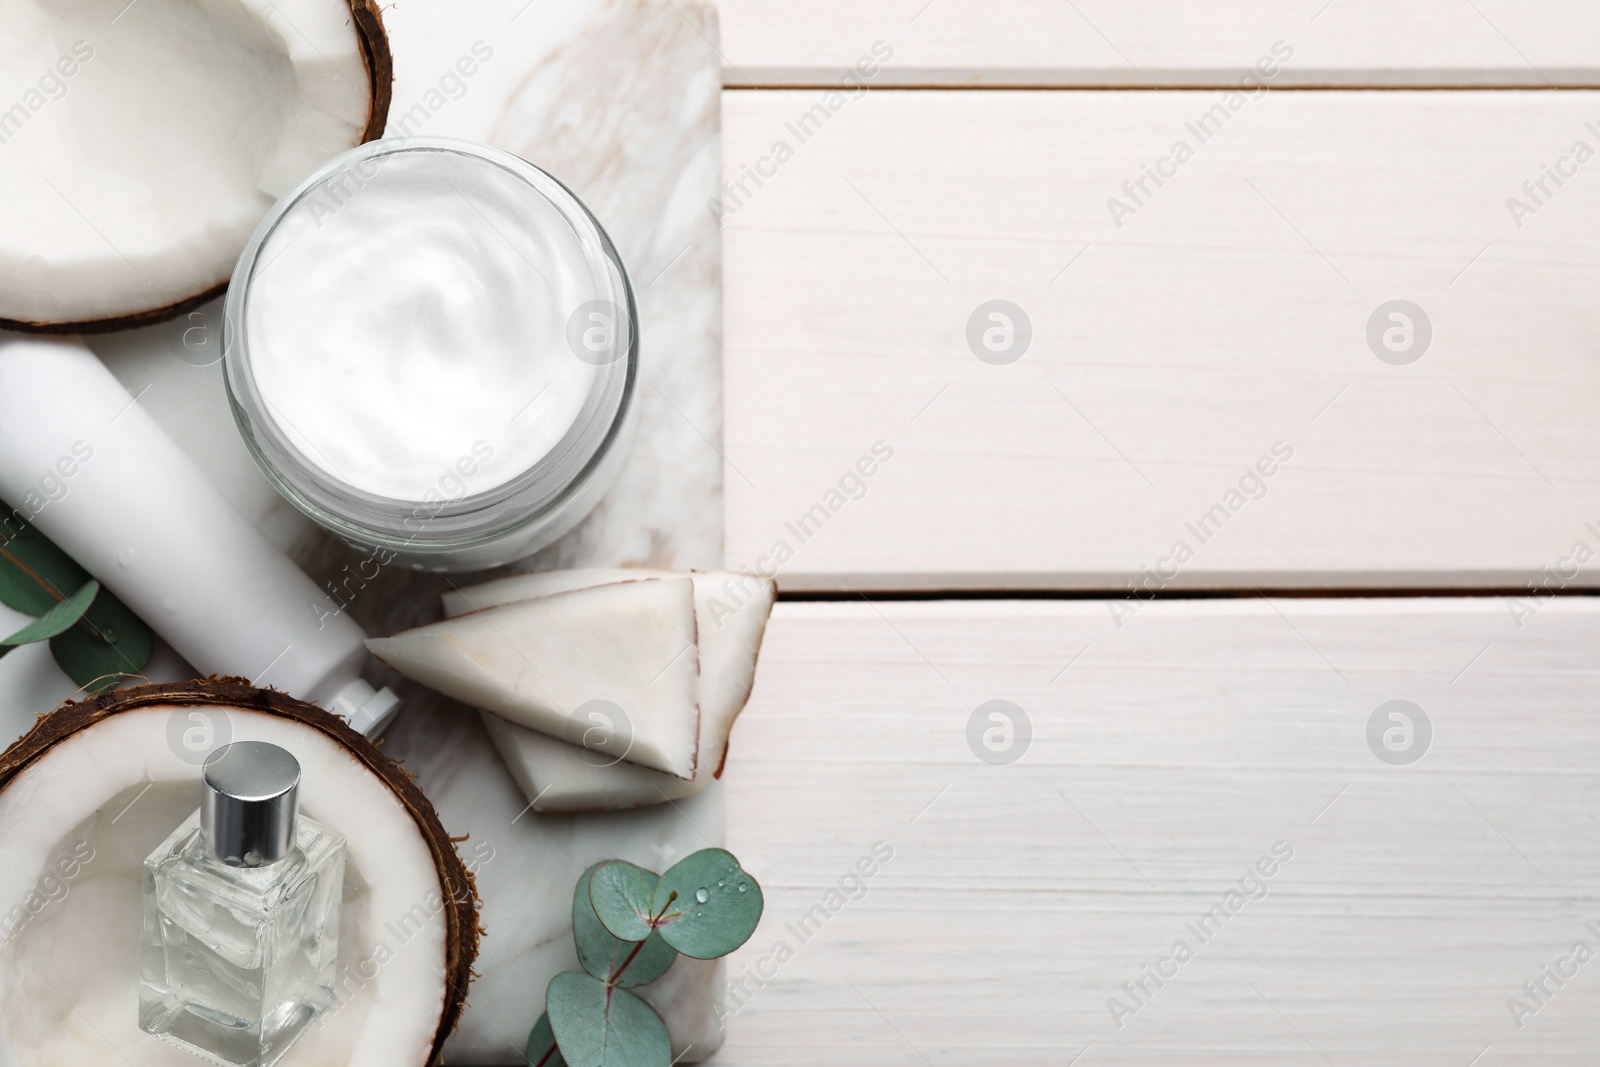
701	895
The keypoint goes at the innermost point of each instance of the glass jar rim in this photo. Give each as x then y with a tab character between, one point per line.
423	526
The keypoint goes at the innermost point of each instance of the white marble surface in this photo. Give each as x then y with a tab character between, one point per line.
620	100
623	105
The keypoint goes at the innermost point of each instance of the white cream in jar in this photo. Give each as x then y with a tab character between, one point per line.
435	352
422	320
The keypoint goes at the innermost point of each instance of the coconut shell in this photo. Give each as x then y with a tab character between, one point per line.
459	891
379	62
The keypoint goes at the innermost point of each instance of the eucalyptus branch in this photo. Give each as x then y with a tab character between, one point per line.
591	1018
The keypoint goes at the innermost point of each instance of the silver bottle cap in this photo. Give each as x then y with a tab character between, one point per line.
248	803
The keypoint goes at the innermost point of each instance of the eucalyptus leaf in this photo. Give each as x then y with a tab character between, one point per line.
608	958
35	575
58	618
643	962
599	1026
108	643
542	1050
621	895
707	905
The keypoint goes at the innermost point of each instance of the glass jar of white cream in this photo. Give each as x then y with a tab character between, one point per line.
431	349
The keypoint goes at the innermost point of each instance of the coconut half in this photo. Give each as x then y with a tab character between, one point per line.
95	786
141	143
731	612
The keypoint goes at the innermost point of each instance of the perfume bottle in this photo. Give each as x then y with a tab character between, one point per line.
241	915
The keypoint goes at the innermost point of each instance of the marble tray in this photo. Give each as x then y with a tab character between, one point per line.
620	100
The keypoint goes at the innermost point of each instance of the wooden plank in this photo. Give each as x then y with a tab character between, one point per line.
1168	755
1175	347
1167	43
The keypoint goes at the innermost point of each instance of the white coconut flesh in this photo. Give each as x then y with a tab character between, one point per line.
613	668
141	143
731	613
69	969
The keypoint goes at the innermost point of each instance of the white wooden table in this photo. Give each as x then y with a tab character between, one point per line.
1434	500
1089	644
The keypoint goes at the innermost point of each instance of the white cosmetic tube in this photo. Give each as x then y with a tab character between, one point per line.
87	466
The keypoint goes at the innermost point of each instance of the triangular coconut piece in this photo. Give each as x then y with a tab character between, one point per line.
731	610
519	587
612	668
558	777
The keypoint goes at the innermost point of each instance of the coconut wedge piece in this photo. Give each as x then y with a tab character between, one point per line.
95	786
519	587
731	612
613	668
143	142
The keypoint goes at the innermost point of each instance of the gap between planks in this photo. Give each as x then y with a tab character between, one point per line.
823	596
732	83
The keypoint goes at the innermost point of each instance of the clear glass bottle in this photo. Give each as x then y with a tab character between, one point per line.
241	915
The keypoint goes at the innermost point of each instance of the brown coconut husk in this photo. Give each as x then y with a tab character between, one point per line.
460	894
